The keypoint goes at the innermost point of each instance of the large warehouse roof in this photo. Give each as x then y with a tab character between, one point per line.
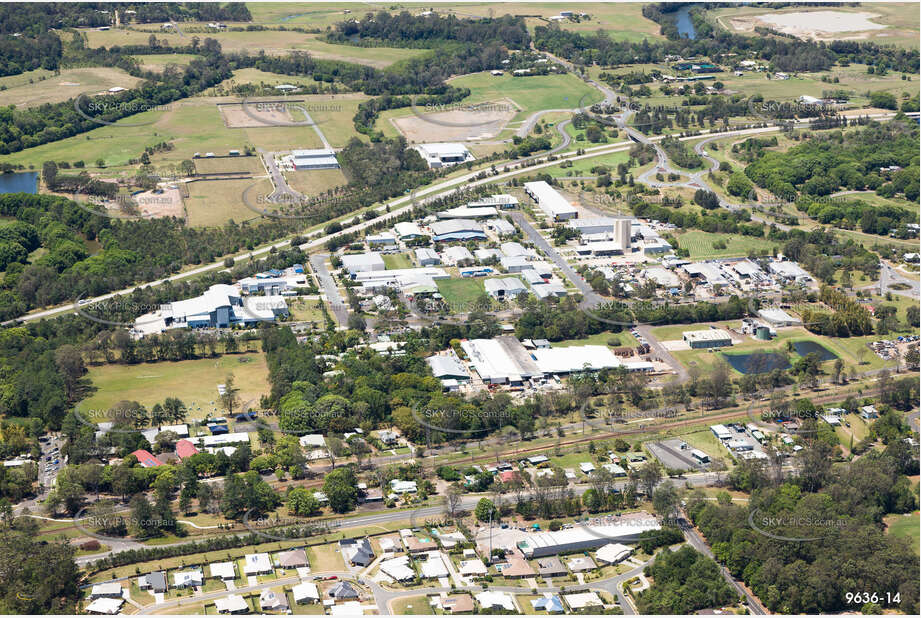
455	226
575	358
501	359
550	200
363	262
547	543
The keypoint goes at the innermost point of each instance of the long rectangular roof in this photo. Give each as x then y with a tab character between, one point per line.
500	358
549	199
454	226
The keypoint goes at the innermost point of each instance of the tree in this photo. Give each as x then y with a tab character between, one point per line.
485	510
665	501
301	501
230	396
452	500
649	476
340	488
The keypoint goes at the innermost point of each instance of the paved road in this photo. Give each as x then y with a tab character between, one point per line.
660	351
697	542
333	296
589	295
283	194
890	276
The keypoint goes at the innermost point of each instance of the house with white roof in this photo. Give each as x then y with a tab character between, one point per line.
490	599
257	564
223	570
305	592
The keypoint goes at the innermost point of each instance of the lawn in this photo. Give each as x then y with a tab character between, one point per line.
68	84
193	381
325	558
460	293
584	167
305	310
905	526
606	338
700	245
396	261
412	606
704	440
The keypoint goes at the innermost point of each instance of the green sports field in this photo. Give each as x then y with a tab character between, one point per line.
193	381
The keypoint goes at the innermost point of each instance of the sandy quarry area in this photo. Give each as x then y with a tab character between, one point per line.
818	25
461	124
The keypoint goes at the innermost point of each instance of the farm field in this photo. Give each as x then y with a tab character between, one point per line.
156	62
190	125
623	338
45	87
271	41
216	202
193	381
700	245
623	22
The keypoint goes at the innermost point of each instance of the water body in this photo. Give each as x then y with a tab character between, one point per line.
809	347
683	21
20	182
757	362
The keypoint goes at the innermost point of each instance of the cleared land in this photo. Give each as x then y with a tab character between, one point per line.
216	202
529	94
315	182
193	381
456	124
887	23
70	83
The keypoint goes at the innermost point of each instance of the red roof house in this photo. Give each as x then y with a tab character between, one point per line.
184	449
146	459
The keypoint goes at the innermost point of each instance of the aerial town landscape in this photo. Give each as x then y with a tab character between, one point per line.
364	309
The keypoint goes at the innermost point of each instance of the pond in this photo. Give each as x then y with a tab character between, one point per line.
20	182
811	347
757	362
684	23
